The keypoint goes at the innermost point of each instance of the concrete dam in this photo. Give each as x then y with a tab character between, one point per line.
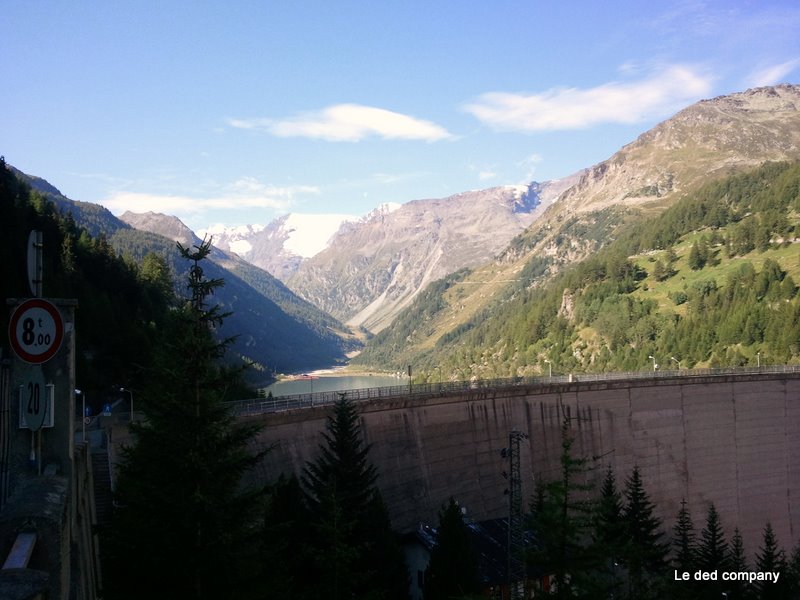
731	438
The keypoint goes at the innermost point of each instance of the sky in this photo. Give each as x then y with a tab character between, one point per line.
238	112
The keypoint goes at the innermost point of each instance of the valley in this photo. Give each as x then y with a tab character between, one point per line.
487	283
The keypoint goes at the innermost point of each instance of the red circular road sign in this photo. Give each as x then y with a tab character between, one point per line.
36	331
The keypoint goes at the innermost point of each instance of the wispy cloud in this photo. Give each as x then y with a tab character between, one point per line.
348	123
528	166
246	193
572	108
773	74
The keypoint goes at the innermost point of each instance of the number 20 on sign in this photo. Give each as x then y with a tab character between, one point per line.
36	331
34	399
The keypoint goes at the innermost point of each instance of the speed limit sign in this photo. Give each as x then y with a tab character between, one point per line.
36	331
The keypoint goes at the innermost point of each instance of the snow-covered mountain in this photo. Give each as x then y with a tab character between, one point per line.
373	267
281	246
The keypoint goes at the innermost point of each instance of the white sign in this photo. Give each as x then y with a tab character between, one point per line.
36	331
35	400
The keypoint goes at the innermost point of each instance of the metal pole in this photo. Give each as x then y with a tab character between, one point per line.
83	413
122	389
516	535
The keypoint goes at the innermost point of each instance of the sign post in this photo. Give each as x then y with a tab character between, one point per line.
35	247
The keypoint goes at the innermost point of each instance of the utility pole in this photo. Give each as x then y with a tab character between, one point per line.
516	534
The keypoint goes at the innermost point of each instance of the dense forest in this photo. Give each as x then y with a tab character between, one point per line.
121	304
711	281
276	330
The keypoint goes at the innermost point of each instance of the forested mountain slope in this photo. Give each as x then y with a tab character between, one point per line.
709	282
120	306
706	142
277	331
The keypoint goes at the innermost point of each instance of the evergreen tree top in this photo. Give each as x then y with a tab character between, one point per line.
342	463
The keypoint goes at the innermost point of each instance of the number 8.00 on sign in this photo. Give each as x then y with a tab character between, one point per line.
36	331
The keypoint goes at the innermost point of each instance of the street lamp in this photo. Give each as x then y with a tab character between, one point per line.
549	367
125	390
677	361
653	358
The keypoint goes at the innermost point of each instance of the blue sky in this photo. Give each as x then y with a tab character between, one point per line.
236	112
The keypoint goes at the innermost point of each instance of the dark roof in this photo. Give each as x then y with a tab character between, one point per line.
489	539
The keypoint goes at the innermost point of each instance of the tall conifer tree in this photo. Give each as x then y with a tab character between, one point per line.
738	590
713	554
771	558
646	552
356	552
185	527
453	568
609	537
562	519
684	549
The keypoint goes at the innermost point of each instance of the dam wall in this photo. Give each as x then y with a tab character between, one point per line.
733	440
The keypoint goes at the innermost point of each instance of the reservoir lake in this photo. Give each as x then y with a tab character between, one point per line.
330	382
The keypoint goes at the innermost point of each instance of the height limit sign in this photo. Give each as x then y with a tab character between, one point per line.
36	331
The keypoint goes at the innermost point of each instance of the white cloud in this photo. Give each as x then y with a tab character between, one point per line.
571	108
348	123
246	193
528	165
484	175
773	74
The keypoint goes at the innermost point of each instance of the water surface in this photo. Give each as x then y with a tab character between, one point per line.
333	383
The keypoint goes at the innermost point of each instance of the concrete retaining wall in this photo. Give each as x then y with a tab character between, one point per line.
733	440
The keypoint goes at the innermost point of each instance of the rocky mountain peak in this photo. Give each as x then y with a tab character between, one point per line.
709	138
373	267
165	225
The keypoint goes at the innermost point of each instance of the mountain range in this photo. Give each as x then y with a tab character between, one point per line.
466	255
275	329
706	142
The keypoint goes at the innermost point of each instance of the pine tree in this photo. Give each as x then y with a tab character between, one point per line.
684	552
659	271
770	559
645	555
793	573
684	541
696	259
562	519
453	568
286	553
713	553
608	539
738	590
186	527
355	550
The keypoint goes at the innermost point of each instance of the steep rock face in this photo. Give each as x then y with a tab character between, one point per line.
373	268
710	138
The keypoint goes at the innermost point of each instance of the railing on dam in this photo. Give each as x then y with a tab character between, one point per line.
257	406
